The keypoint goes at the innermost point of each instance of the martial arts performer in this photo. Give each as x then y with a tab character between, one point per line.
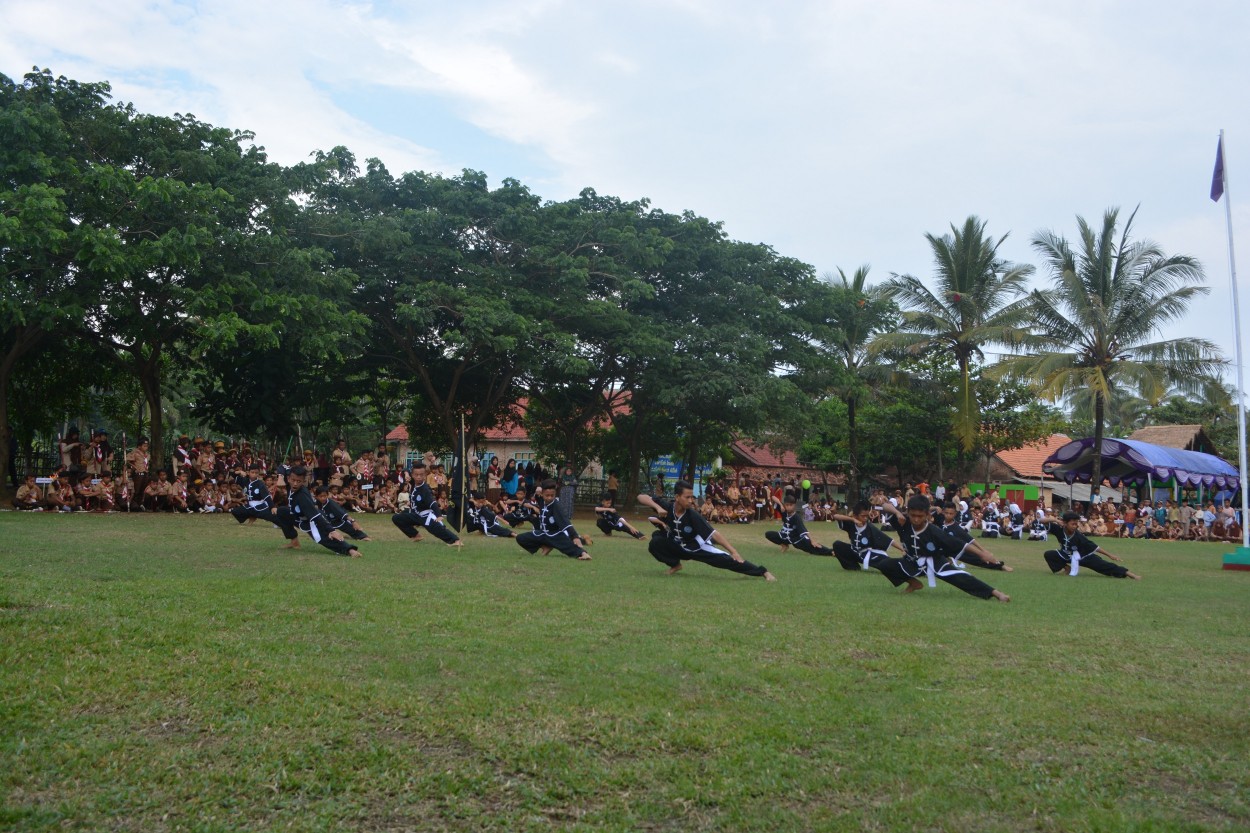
553	530
422	511
867	545
974	553
485	521
931	553
302	513
683	535
1076	551
337	515
609	519
793	532
256	493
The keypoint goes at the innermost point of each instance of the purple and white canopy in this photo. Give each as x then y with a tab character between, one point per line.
1133	461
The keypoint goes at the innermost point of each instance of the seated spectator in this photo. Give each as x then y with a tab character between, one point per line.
30	496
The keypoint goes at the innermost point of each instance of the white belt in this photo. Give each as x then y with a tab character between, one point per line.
1076	563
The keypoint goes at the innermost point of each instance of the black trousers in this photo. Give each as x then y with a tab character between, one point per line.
531	542
290	530
899	570
848	559
410	523
663	550
242	513
978	561
1097	563
804	545
605	526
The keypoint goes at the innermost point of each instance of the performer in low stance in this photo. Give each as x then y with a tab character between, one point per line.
1076	551
683	535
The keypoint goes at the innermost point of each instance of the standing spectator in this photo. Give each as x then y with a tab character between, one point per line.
510	480
614	485
493	490
568	489
71	455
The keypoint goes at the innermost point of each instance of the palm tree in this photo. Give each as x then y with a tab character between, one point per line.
980	299
846	320
1096	327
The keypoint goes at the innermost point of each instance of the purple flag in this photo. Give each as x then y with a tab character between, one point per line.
1217	178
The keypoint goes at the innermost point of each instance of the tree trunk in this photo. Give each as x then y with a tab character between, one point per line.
852	445
26	338
150	382
1095	478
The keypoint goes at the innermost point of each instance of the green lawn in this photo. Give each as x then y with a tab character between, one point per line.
183	673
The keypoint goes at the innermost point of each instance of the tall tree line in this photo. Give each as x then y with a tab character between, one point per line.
144	257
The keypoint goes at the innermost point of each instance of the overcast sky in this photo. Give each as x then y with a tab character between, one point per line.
837	132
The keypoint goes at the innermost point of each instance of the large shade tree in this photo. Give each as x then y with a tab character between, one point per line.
1097	328
978	299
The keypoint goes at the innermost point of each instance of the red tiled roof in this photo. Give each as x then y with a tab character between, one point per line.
766	457
1027	462
398	434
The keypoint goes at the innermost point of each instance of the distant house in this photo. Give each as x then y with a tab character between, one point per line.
765	463
1185	437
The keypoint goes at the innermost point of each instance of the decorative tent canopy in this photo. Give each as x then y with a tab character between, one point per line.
1134	461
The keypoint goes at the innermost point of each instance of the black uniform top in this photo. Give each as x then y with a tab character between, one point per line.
989	513
1070	543
865	538
793	529
930	542
690	531
486	517
335	514
421	499
306	511
612	516
554	520
257	492
958	532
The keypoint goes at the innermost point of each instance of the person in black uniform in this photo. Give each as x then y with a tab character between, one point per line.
867	545
684	535
1076	551
302	513
609	519
484	520
337	515
256	493
422	511
793	532
553	530
930	552
974	554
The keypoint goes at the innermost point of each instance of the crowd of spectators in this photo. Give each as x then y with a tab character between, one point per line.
203	476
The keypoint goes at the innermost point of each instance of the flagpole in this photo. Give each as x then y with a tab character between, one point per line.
1222	163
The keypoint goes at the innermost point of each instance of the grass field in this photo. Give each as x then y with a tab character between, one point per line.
182	673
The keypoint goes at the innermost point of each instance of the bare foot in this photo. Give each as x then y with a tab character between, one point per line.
584	557
1133	576
1007	569
354	553
416	538
366	538
674	570
785	547
912	586
456	544
545	550
769	576
293	544
1001	596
